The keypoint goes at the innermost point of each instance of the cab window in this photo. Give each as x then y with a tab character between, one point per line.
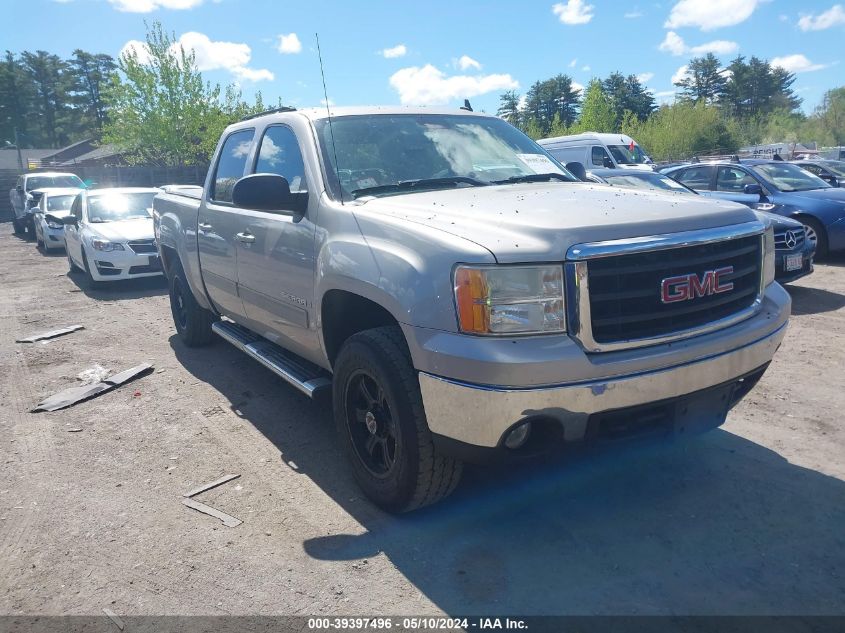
696	177
733	180
231	165
279	154
598	155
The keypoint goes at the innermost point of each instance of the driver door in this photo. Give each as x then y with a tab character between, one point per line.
73	232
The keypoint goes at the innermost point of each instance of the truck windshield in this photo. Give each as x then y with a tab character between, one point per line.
789	178
120	206
624	155
43	182
387	154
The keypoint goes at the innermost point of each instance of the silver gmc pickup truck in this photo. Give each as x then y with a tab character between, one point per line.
463	296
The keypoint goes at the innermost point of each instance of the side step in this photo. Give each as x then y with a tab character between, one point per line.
305	376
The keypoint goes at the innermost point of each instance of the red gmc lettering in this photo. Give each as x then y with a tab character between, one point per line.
687	287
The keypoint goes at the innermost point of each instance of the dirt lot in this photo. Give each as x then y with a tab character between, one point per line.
749	519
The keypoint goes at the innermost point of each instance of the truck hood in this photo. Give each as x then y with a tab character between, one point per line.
539	222
124	230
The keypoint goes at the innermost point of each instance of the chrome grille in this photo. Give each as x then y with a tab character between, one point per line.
143	247
614	292
782	243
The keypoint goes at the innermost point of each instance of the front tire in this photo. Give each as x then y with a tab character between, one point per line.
814	232
72	267
192	321
92	283
381	424
17	226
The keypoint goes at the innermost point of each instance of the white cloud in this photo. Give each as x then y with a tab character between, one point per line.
833	16
148	6
577	87
466	62
400	50
645	77
710	14
428	85
289	44
796	64
573	12
674	44
523	102
208	55
573	63
329	103
680	74
586	69
632	15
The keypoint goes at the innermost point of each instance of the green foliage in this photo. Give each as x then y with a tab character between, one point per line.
628	94
682	130
162	112
597	111
704	81
509	107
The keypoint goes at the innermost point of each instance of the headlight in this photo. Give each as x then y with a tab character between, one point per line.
509	299
103	245
768	256
55	225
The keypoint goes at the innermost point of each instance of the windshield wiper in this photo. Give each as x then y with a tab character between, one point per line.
420	183
533	178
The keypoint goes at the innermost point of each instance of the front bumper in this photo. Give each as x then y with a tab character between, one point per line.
126	264
783	275
482	414
53	238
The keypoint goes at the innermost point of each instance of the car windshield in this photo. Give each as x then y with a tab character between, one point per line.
646	181
836	167
624	155
44	182
60	203
384	154
788	178
111	207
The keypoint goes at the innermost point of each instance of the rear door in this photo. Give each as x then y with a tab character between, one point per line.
699	177
219	224
276	260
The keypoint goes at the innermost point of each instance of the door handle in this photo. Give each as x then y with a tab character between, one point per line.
202	226
246	238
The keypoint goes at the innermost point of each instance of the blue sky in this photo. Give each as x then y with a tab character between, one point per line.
380	52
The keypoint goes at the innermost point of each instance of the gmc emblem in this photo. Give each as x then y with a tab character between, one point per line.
688	287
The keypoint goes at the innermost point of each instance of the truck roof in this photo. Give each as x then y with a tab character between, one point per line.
319	113
601	137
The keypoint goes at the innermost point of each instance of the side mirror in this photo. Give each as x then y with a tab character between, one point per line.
577	169
753	190
608	163
267	192
69	220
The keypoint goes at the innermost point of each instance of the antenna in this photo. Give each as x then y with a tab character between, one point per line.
329	115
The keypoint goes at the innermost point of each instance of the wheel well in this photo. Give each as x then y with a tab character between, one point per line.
344	314
168	257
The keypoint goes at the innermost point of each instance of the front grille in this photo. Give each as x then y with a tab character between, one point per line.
143	247
781	241
151	268
625	290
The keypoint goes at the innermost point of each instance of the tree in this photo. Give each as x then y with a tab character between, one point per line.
705	81
93	72
552	96
52	84
597	113
16	96
509	107
628	94
163	113
831	116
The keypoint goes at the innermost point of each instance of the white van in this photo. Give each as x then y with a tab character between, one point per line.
592	150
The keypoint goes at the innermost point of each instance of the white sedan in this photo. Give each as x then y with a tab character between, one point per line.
47	217
109	234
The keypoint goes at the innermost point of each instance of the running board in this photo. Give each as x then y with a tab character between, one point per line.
307	377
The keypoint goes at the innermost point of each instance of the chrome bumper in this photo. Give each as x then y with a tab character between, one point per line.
480	415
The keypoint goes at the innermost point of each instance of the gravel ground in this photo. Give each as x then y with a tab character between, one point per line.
748	519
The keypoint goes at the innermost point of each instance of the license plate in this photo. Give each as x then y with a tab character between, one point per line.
793	262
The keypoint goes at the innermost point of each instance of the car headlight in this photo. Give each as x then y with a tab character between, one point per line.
52	224
505	300
768	256
103	245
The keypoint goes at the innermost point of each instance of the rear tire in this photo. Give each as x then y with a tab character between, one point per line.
381	424
814	231
192	321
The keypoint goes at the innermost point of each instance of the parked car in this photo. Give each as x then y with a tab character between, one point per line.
592	149
48	216
21	198
461	295
793	252
831	171
109	234
776	186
